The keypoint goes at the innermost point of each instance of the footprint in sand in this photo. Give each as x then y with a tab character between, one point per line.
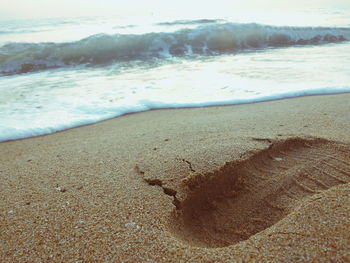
246	197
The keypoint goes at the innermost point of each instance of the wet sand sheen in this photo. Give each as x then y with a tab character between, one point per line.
265	182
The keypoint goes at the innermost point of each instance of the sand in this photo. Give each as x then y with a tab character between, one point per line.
263	182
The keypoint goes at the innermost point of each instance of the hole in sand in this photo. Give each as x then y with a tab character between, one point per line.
245	197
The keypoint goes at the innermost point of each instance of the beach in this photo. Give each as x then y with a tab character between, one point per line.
259	182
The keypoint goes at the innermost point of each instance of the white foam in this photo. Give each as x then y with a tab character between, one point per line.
23	128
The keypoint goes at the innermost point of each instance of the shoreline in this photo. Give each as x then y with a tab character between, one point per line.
179	108
108	191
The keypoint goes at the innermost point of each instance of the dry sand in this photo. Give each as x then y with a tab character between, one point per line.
264	182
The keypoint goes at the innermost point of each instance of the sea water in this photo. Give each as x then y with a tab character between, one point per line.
57	74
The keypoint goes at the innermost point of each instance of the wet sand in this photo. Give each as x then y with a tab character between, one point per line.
263	182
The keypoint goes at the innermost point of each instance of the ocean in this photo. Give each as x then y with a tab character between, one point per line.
61	73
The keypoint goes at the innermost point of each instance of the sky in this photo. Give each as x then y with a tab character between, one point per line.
17	9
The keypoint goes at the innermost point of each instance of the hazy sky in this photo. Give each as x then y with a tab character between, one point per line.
71	8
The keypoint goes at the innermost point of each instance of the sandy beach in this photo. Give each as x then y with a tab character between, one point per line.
262	182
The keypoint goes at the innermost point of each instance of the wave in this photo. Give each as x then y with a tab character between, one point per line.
190	22
212	39
8	32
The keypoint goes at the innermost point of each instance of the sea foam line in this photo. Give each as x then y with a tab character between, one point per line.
24	128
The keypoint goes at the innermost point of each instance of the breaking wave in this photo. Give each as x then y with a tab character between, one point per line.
208	39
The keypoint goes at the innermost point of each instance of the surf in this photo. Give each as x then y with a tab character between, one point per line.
210	39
